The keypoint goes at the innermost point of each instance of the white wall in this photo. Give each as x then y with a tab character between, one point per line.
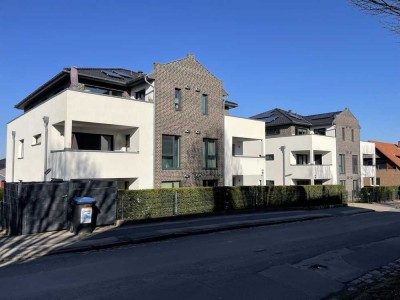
248	165
102	112
309	144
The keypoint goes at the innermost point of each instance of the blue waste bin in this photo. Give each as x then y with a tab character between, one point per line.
84	215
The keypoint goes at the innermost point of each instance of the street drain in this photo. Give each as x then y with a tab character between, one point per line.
318	267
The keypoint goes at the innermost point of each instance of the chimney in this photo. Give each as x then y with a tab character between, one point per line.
398	144
140	72
74	78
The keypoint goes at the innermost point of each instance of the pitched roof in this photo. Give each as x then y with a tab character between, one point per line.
279	117
322	119
99	74
391	151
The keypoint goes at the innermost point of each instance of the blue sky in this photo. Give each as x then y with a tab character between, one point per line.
309	56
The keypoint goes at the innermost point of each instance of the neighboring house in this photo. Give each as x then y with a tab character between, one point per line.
163	129
2	172
387	163
314	149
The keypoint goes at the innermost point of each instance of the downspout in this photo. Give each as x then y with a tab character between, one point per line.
46	135
154	128
283	164
13	156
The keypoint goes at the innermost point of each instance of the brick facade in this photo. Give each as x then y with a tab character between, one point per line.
189	123
348	146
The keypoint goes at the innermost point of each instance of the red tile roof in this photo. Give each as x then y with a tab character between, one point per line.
391	151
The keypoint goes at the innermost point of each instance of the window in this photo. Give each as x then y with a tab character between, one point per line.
355	164
301	131
140	95
102	91
318	182
170	184
318	159
178	99
343	133
301	159
269	157
209	154
352	135
37	140
378	181
269	183
272	131
356	186
21	149
320	131
343	182
170	152
90	141
204	104
342	164
212	182
303	182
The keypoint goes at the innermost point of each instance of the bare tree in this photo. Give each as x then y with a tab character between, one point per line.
384	8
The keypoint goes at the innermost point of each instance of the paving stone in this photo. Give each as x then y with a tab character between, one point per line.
369	281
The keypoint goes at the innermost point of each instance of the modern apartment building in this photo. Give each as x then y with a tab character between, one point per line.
314	149
162	129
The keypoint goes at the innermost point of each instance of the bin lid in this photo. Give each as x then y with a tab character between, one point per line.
84	200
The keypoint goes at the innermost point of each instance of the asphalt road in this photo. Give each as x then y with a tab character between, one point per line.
304	260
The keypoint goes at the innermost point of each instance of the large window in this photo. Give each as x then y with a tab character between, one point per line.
204	104
301	159
301	131
355	164
90	141
140	95
170	184
102	91
320	131
318	159
342	164
178	99
170	152
209	154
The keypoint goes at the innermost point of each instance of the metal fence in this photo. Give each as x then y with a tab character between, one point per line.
46	206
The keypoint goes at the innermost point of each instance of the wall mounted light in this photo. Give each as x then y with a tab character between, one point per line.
187	131
197	131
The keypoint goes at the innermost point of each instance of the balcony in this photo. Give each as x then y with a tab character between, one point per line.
247	165
368	171
77	164
310	171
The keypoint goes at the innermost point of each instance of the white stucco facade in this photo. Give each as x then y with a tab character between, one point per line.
244	151
295	159
367	163
130	123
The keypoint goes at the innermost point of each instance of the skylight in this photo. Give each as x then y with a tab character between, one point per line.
123	74
112	74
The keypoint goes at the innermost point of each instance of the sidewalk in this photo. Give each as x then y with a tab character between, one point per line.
28	247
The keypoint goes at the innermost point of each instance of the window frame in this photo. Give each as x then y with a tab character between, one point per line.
301	131
21	149
176	157
207	157
204	104
342	164
354	164
300	158
173	184
269	157
178	99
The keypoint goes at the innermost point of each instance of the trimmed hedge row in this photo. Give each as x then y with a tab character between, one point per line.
158	203
379	193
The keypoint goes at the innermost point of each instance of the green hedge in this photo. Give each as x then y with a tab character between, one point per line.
379	193
158	203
